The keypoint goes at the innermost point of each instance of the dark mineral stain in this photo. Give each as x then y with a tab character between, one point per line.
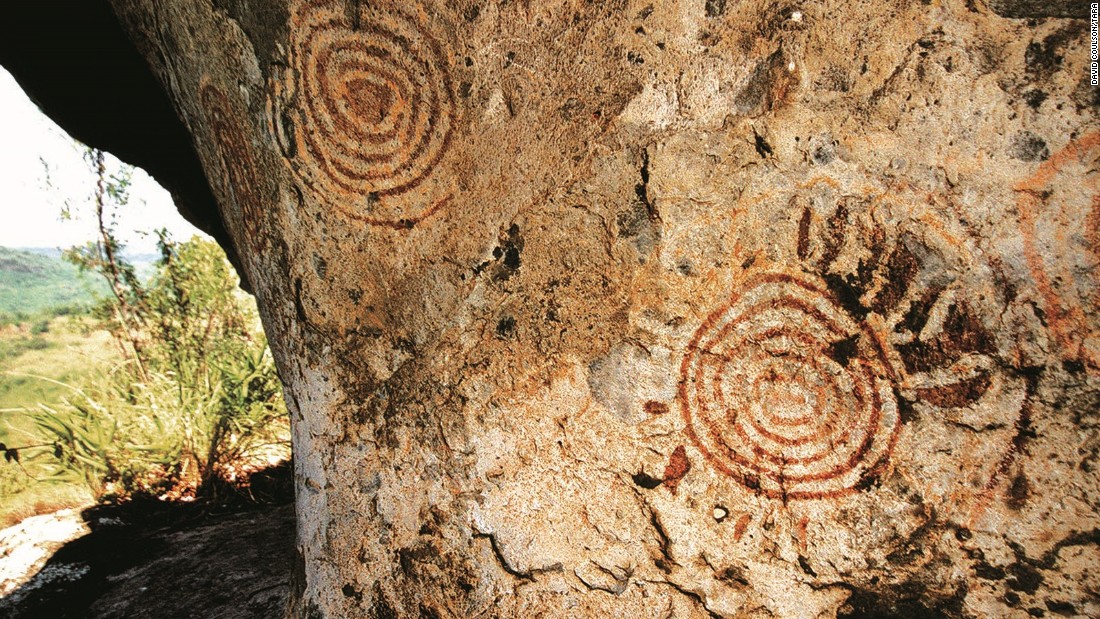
823	154
768	86
901	268
641	190
960	394
715	8
962	333
1034	98
905	601
905	410
1065	609
1043	58
751	482
847	294
320	266
1024	578
1077	538
842	351
643	480
506	326
762	147
870	479
506	255
572	108
1026	146
633	220
834	78
1073	366
350	591
655	408
1019	492
299	309
512	247
833	239
986	571
733	574
806	568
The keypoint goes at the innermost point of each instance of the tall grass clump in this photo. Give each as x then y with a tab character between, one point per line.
195	401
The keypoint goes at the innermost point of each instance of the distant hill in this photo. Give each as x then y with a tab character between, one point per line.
137	258
39	281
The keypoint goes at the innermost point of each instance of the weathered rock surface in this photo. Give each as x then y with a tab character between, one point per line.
26	546
691	309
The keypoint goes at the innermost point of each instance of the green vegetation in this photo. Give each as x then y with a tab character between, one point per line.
166	388
34	368
34	286
196	396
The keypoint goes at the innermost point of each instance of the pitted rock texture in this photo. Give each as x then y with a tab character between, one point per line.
666	309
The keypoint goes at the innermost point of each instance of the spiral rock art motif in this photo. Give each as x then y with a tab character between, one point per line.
786	393
369	109
873	314
1060	222
239	171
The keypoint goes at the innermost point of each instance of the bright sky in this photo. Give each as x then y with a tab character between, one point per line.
31	199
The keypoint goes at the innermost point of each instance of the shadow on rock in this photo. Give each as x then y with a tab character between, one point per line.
148	558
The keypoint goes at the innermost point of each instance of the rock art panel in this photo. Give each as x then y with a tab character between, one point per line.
671	309
367	110
235	155
863	345
1060	223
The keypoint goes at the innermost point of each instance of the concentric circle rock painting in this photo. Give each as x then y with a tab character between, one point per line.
239	176
787	393
367	111
1060	222
862	343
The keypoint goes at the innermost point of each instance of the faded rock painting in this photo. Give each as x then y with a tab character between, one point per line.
235	156
1060	222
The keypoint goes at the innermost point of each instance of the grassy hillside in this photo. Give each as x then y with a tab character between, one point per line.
34	367
33	283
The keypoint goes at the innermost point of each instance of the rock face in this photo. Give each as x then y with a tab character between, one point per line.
26	546
684	309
